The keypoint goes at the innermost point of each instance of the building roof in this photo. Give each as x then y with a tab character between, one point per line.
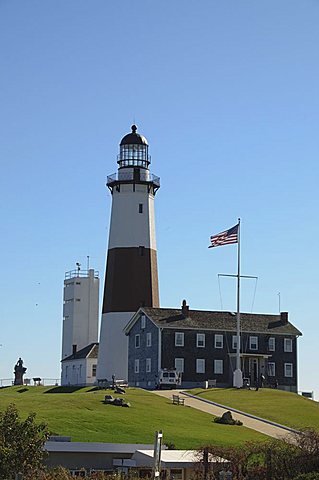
96	447
217	320
90	351
171	458
133	138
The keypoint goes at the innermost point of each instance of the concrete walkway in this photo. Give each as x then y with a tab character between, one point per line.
250	421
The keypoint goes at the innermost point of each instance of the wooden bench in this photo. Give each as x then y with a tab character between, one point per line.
177	400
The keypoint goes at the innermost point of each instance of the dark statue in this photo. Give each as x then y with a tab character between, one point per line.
19	371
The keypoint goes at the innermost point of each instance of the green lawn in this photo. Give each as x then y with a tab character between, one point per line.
83	416
282	407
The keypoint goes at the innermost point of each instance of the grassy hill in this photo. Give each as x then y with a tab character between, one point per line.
83	416
282	407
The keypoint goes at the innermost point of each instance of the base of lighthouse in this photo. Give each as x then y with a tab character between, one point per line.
113	346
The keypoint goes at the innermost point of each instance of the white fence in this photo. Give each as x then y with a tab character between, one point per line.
8	382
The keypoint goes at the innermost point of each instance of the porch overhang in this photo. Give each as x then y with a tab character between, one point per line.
251	355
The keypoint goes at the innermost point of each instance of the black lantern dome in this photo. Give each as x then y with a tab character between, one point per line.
133	138
133	150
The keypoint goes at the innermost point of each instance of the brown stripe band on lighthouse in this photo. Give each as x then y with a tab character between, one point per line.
131	279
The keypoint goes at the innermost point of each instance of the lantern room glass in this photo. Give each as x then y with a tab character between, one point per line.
133	156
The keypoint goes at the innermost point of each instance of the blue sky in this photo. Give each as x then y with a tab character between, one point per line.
226	94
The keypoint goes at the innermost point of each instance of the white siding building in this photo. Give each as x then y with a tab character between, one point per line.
79	369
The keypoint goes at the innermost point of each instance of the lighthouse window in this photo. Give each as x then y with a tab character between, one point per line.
141	251
140	208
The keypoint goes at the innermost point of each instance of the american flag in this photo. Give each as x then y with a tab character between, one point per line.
225	238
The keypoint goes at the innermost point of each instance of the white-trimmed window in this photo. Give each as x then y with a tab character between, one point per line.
288	370
94	370
179	365
271	344
149	339
137	366
234	342
271	369
219	341
287	345
218	366
200	340
253	343
200	365
66	371
143	321
179	339
148	365
176	473
137	340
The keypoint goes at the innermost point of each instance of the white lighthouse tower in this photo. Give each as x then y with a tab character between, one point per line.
131	278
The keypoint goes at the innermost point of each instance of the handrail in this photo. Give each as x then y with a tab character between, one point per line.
80	273
129	176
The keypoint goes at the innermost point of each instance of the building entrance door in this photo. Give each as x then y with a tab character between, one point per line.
253	368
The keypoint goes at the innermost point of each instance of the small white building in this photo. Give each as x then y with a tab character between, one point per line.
80	310
82	458
79	369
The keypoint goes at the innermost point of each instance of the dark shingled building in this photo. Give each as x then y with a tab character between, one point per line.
202	346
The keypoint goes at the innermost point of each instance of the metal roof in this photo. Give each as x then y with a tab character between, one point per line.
96	447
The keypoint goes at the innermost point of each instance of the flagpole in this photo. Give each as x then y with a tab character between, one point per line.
238	376
238	302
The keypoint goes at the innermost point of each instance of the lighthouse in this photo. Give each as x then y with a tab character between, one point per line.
131	277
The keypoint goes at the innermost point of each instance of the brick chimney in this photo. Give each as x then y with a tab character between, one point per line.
284	318
185	308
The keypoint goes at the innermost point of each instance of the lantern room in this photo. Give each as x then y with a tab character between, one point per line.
133	150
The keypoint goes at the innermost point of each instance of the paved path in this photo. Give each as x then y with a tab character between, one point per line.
260	425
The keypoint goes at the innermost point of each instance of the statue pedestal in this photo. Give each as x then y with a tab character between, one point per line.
19	371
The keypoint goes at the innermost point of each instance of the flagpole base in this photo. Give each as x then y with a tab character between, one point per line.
238	378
